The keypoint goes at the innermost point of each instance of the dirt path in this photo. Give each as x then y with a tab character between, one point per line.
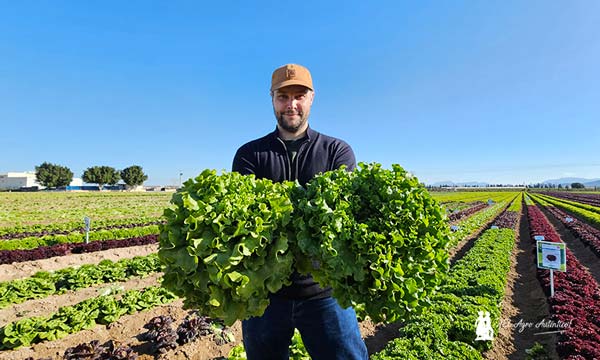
28	268
527	305
379	335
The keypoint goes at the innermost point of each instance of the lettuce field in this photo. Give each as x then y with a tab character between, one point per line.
64	298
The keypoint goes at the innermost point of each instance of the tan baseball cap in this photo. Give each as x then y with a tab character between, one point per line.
291	74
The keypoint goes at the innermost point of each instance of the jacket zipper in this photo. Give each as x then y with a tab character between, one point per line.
287	160
298	156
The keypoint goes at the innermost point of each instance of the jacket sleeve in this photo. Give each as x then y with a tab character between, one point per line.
344	156
244	162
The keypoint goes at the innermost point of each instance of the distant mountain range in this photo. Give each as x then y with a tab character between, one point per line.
562	181
569	181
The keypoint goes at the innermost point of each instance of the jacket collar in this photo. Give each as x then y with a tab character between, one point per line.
310	133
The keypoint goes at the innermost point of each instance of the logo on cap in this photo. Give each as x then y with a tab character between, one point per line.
290	73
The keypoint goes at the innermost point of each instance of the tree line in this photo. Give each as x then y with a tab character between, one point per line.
575	185
54	176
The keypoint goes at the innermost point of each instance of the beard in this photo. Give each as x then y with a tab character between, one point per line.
294	125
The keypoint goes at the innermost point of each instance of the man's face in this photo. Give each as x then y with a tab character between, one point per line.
291	105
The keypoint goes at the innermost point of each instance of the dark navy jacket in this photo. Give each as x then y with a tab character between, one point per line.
267	158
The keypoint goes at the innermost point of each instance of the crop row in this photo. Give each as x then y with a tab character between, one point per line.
594	209
458	215
44	283
590	199
475	222
34	242
589	235
46	252
475	284
507	219
517	204
455	206
471	196
576	301
103	309
79	228
592	217
528	200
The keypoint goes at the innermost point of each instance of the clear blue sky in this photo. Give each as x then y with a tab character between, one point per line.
496	91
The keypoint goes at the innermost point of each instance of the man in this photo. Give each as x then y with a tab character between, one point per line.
295	151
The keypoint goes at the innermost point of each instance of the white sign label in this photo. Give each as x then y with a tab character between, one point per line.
87	222
493	227
569	219
539	238
552	255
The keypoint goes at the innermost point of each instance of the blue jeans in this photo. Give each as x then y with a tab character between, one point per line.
328	331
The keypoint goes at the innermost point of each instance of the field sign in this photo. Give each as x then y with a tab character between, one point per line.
551	255
539	237
88	223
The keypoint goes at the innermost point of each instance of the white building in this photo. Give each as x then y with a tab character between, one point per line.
76	182
17	180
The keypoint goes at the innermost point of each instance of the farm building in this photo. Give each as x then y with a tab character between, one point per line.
26	180
17	180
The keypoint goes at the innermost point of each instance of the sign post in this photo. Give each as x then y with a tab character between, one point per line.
551	256
87	222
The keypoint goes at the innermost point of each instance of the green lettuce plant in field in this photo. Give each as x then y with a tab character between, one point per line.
375	236
226	243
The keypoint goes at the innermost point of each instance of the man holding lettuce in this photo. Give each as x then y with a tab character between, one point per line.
294	151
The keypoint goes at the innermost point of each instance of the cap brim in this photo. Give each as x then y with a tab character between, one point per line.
291	82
